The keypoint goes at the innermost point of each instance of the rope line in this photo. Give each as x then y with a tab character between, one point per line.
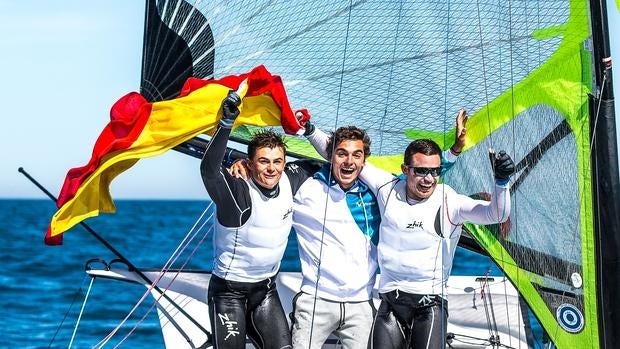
77	324
175	255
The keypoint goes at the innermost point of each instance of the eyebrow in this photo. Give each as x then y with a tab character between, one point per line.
268	159
346	151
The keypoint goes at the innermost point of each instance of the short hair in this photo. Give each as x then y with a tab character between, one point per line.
348	133
424	146
265	139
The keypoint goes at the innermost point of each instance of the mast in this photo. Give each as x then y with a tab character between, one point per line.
605	181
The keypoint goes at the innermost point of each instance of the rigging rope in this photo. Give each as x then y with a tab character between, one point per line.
485	294
391	75
491	322
77	324
75	295
329	177
167	287
176	254
443	206
598	110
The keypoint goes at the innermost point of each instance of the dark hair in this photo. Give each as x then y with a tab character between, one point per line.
424	146
265	139
348	133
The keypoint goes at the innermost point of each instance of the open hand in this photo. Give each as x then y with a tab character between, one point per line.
459	137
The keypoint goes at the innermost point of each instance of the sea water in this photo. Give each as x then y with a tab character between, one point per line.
43	287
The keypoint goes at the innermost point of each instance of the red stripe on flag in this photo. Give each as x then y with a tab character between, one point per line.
127	119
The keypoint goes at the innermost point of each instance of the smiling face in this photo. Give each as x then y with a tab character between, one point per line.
266	166
421	186
347	161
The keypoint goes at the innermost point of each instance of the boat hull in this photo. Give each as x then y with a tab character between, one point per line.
467	322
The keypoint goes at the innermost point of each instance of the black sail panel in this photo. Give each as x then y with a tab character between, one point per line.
168	60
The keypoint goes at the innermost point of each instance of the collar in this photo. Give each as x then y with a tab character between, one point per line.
270	193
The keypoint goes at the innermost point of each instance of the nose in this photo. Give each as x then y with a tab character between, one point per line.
429	177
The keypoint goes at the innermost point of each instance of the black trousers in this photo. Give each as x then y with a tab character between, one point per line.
238	309
406	320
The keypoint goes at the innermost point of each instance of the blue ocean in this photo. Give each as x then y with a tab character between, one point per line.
43	287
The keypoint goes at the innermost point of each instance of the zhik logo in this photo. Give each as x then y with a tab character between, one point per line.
288	213
231	326
414	225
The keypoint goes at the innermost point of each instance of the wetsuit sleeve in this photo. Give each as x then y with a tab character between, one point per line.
231	195
483	212
299	171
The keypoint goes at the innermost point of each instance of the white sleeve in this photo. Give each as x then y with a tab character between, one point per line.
375	177
448	156
484	212
319	140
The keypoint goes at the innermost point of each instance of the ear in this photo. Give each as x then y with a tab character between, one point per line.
249	164
404	168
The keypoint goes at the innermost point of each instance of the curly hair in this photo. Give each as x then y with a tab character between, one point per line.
265	139
348	133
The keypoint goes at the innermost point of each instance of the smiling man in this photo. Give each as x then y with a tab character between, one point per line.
336	219
254	218
421	222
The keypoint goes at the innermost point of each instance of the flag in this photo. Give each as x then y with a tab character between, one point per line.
139	129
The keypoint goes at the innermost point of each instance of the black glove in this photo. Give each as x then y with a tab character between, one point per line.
230	109
309	129
503	166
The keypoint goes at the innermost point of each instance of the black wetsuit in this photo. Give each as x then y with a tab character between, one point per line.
240	308
401	315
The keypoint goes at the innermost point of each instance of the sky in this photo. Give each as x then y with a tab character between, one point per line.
63	64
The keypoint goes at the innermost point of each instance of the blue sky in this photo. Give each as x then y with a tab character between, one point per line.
63	65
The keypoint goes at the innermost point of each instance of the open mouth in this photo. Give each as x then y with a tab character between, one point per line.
347	171
425	187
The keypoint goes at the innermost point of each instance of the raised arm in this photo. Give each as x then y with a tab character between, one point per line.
225	190
211	164
448	157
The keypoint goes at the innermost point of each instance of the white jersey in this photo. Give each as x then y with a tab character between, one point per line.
336	229
253	252
417	239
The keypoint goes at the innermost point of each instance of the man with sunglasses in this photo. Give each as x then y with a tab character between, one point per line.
421	222
420	228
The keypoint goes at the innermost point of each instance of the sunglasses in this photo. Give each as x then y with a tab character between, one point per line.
423	171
